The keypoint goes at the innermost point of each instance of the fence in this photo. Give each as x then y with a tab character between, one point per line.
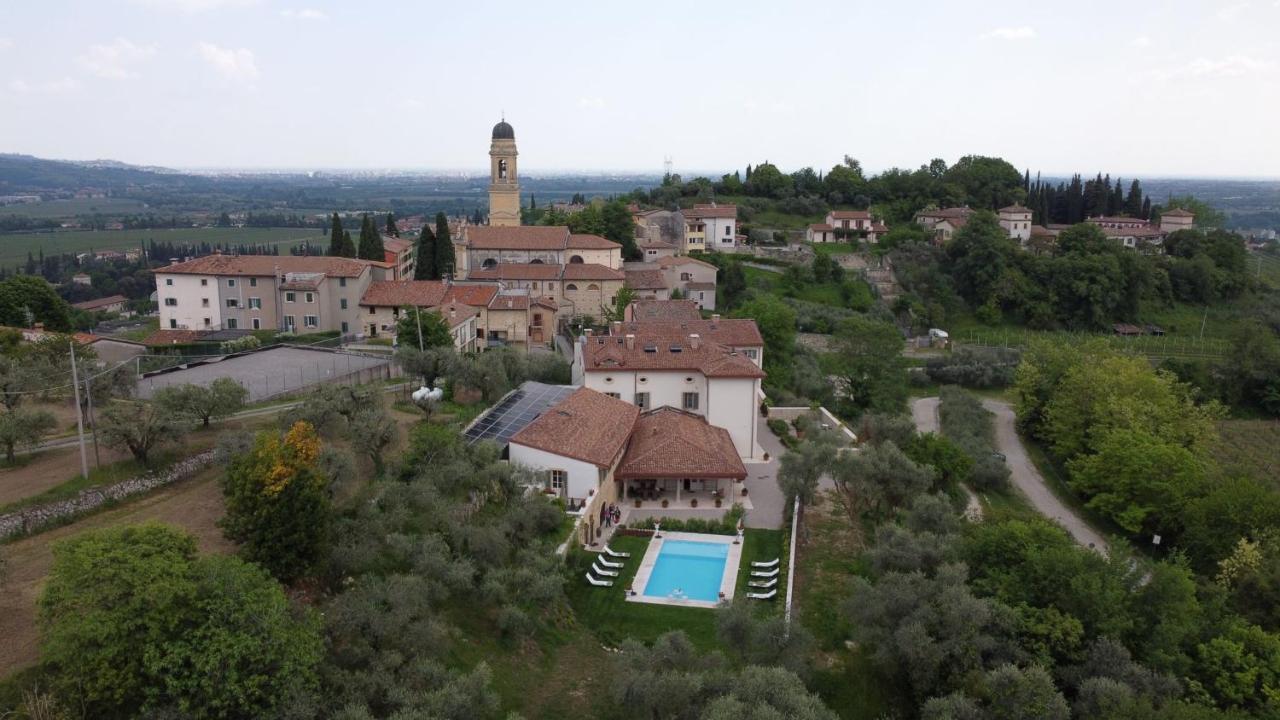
279	371
1156	346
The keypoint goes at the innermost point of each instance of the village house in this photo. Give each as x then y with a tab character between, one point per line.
109	304
694	278
647	281
846	226
400	256
1016	220
709	228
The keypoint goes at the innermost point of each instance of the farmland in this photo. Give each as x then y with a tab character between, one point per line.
15	246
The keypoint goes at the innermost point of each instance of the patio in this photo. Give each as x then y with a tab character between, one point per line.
656	494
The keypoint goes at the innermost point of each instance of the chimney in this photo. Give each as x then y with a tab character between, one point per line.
715	318
617	327
586	331
694	340
631	341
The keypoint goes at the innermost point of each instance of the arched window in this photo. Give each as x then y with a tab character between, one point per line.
570	286
593	286
489	263
535	261
502	169
575	260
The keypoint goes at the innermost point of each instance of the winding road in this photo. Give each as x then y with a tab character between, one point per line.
924	411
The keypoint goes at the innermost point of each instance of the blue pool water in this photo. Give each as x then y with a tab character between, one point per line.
688	570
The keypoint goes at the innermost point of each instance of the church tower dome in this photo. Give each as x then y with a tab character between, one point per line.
504	183
504	131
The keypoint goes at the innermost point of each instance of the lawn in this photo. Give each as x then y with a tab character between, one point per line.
834	248
15	246
608	614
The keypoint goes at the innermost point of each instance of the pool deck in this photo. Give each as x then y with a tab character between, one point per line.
728	581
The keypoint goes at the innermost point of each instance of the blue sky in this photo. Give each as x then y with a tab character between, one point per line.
1185	87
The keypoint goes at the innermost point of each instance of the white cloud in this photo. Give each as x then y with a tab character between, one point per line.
1232	11
231	63
116	61
304	14
48	87
1142	41
591	103
196	6
1022	32
1230	66
5	43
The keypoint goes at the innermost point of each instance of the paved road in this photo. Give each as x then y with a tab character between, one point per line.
924	412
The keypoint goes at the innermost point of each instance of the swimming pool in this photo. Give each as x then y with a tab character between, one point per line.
688	570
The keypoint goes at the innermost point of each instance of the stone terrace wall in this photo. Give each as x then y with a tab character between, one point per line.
34	519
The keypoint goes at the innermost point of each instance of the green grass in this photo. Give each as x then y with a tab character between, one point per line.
15	246
1248	448
76	206
834	248
1266	268
1168	346
762	546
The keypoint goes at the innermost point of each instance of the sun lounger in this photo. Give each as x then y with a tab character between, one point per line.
765	573
770	564
610	552
599	583
604	573
763	596
606	563
763	583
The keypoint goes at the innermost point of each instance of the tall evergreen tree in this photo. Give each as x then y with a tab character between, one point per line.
425	266
348	248
335	236
1133	203
1115	206
445	260
370	241
1146	208
392	230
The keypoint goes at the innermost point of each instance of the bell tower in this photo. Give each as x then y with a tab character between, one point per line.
504	184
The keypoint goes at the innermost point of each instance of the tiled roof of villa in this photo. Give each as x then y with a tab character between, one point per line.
850	215
603	353
646	280
734	332
267	265
671	443
401	293
579	241
587	425
520	237
648	310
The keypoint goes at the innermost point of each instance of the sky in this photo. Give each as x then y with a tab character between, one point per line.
1187	88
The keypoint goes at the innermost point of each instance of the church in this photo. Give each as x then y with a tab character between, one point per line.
579	275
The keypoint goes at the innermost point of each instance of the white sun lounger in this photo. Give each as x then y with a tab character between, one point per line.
763	596
599	583
765	573
611	553
604	573
606	563
770	564
763	583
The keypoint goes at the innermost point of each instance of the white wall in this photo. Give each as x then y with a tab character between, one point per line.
665	387
717	236
584	478
189	312
609	258
734	406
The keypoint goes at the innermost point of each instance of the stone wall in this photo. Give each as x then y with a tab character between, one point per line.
40	517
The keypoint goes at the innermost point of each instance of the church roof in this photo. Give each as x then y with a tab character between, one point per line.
518	237
504	131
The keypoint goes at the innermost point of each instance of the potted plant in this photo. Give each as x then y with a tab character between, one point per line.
637	502
664	502
693	502
744	491
766	456
718	501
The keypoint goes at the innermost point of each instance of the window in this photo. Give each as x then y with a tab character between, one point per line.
253	282
537	319
726	230
311	320
593	286
255	303
290	297
575	260
204	302
751	353
207	323
558	479
231	282
232	323
204	282
373	311
690	401
173	324
289	323
257	324
642	401
686	276
615	396
342	282
344	327
171	302
233	303
168	281
570	287
342	303
310	297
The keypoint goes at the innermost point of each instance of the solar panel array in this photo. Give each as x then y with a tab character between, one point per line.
502	421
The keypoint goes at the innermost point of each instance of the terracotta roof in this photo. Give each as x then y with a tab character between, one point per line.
395	244
267	265
400	293
591	242
733	332
820	226
879	228
1042	231
1015	208
850	215
646	280
712	211
655	245
591	271
1117	220
605	353
520	302
1178	212
647	310
956	212
520	237
588	426
681	260
100	302
956	222
456	313
671	443
474	295
171	337
517	271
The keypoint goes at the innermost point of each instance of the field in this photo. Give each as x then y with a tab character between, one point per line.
1169	345
72	208
1266	268
1248	448
15	246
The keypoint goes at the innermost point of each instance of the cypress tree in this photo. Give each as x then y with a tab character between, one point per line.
1146	208
425	267
335	236
392	230
1133	203
445	259
348	248
370	241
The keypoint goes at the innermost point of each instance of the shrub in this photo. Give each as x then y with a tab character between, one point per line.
779	427
975	367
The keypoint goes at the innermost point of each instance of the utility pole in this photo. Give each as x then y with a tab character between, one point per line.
1204	320
75	384
417	313
93	425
